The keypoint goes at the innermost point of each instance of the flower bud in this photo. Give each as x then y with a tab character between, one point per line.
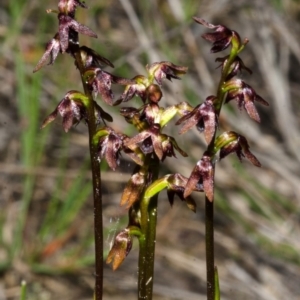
120	249
154	93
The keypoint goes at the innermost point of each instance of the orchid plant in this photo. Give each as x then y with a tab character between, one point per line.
150	146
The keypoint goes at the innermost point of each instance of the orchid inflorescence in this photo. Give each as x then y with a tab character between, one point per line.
150	144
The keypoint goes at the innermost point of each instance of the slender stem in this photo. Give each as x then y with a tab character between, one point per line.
209	241
147	243
142	270
151	240
209	205
97	187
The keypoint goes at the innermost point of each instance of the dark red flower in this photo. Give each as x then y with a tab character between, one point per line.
68	24
150	140
92	59
177	184
72	108
138	87
232	142
168	146
245	96
203	116
51	52
109	145
221	38
100	83
236	66
203	173
165	69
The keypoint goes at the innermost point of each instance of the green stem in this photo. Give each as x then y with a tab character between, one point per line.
151	240
147	242
96	176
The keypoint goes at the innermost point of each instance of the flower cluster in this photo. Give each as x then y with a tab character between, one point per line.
205	116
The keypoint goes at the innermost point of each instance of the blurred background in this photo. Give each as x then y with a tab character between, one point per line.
46	215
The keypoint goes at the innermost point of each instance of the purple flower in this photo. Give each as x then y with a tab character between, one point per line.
177	184
109	144
138	87
245	96
203	173
91	58
66	25
73	108
51	52
221	37
100	83
232	142
236	66
165	69
203	116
